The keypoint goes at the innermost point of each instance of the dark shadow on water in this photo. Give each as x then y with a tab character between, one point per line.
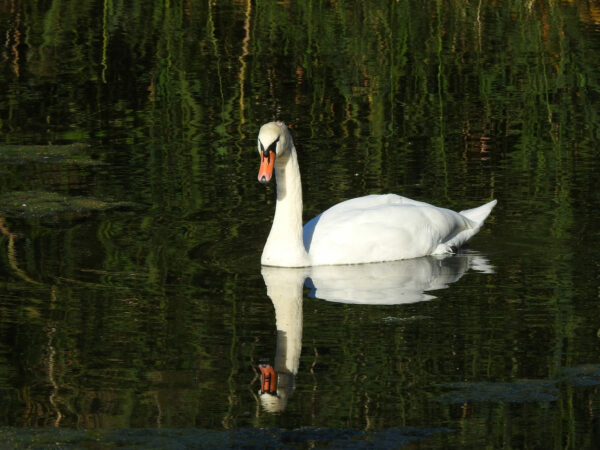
516	392
248	438
522	391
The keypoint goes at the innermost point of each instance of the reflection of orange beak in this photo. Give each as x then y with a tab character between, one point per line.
268	379
267	162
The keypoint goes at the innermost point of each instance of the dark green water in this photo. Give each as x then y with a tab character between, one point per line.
133	310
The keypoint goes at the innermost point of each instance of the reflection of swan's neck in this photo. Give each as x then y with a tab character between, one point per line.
284	246
285	289
286	296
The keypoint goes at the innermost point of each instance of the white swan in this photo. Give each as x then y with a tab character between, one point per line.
367	229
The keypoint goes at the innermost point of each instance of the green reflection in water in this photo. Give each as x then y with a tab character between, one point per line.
157	316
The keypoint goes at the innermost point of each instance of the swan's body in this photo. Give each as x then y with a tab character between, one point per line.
367	229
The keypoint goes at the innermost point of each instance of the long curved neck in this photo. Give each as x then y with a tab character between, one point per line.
285	247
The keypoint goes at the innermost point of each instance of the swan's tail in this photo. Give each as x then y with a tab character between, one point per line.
479	214
476	216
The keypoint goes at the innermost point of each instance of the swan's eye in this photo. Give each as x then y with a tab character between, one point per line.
273	146
270	148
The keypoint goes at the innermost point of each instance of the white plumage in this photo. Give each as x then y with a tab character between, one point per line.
367	229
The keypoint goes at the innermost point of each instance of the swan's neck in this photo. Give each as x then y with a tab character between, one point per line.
285	247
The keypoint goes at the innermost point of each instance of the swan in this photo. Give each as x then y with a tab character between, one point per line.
374	228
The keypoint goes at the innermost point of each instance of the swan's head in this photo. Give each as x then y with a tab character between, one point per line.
274	141
273	398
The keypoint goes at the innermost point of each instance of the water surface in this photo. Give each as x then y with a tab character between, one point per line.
133	308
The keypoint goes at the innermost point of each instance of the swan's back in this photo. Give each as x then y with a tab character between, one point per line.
387	228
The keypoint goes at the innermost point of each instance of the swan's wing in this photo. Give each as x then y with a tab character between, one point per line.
382	228
371	201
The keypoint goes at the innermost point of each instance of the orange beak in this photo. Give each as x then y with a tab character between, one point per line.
268	379
267	162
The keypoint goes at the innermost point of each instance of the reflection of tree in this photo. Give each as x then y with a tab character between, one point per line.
11	253
52	364
50	327
365	84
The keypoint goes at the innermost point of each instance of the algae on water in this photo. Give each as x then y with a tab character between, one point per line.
56	154
27	204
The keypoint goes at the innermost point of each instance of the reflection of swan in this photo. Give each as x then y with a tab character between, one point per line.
284	288
388	283
391	283
361	230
